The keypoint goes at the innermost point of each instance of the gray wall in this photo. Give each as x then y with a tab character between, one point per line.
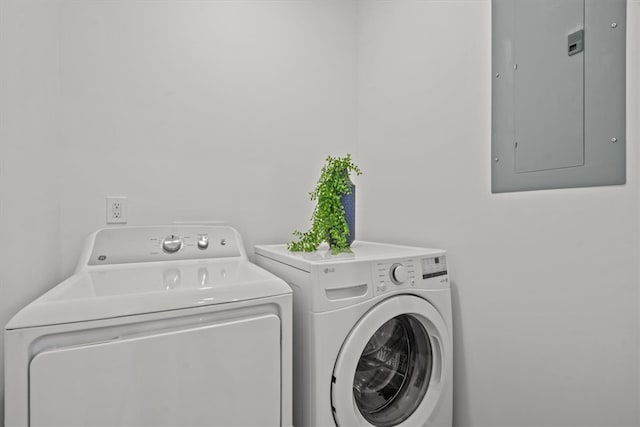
29	167
202	110
195	110
545	282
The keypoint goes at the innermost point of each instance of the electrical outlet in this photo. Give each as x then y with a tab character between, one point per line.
116	210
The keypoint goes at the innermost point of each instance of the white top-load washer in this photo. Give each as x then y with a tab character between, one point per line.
372	334
159	326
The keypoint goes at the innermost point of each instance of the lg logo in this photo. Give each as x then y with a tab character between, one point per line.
329	270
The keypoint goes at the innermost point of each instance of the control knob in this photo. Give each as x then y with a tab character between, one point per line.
171	244
399	274
203	242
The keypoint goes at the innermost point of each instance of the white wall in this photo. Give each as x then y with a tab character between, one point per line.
545	283
29	209
195	110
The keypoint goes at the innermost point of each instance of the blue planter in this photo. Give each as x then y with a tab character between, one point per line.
349	204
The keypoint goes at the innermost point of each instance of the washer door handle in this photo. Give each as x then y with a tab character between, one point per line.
438	359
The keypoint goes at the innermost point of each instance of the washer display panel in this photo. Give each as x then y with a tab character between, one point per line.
393	373
390	369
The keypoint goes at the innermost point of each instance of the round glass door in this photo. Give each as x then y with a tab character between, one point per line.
394	366
393	372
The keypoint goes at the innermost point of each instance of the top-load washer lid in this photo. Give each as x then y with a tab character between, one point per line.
133	289
127	271
360	251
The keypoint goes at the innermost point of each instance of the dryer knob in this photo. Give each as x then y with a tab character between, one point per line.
171	244
399	274
203	242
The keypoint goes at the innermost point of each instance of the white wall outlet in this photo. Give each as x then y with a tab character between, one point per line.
116	210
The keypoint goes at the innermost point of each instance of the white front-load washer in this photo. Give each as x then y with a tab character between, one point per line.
159	326
372	334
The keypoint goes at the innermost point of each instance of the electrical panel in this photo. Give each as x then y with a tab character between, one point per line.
558	94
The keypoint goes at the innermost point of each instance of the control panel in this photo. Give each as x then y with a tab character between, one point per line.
147	244
434	267
421	273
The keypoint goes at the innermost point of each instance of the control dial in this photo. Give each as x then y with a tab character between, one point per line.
399	274
171	244
203	242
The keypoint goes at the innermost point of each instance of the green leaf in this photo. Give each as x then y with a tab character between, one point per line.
328	218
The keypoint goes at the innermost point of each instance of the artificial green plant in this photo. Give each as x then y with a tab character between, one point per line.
328	220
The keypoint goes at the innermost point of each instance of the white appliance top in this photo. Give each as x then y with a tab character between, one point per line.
360	251
157	274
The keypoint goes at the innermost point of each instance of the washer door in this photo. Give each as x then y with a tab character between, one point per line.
390	369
